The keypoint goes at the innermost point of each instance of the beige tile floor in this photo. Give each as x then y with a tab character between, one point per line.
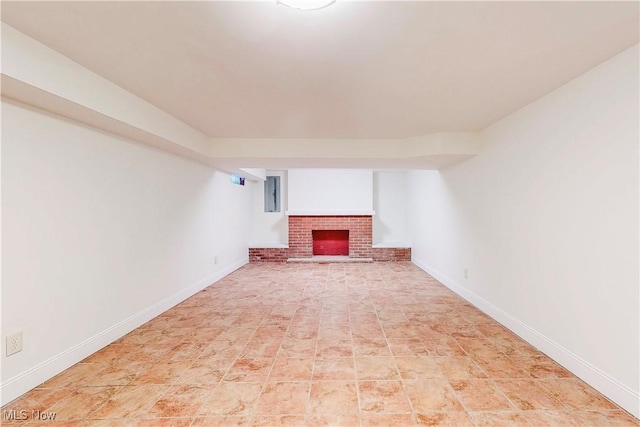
321	344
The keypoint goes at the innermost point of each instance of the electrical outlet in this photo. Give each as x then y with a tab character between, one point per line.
215	259
14	343
466	273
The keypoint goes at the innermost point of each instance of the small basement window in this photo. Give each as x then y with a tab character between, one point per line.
235	179
272	194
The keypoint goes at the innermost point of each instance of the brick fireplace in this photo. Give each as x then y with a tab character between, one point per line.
301	233
360	232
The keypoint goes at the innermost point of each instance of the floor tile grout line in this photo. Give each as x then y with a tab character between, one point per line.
254	413
355	367
404	390
238	357
414	413
315	349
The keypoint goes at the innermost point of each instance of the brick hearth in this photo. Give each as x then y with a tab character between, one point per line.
301	239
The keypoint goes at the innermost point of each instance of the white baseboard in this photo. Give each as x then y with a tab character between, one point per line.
33	377
619	393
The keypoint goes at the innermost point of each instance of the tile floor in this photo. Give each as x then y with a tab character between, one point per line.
320	344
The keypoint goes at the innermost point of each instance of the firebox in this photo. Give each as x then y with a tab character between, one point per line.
330	242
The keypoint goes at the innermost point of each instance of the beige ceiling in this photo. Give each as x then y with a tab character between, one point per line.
353	70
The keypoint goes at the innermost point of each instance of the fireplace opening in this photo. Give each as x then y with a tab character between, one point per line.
330	242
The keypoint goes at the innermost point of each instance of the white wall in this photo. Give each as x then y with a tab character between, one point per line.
269	229
389	203
332	191
99	235
546	220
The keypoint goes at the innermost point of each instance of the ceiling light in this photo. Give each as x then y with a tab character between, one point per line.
307	4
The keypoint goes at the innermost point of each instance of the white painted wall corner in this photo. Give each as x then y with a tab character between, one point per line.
25	381
610	387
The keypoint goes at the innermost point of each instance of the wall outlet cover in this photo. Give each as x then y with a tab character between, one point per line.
14	343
